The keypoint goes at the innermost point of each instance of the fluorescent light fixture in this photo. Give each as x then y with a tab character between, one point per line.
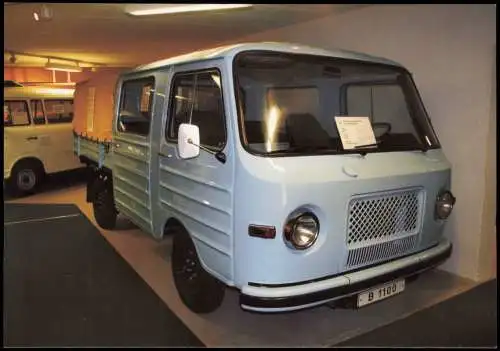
56	91
160	9
61	67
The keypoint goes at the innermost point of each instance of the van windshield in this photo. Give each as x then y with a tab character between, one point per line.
287	104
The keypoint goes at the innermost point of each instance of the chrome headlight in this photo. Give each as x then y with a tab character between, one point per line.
444	204
302	231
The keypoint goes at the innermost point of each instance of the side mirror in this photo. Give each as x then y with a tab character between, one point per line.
188	141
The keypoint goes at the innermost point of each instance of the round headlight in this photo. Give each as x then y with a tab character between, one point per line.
444	205
302	231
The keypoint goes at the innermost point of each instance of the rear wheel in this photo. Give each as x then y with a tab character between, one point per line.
26	177
198	290
103	203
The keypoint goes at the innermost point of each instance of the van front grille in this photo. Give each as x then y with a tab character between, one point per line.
381	251
383	226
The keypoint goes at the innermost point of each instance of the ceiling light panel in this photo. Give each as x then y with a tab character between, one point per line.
162	9
62	67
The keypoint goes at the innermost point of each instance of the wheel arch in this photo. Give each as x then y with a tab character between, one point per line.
172	224
28	159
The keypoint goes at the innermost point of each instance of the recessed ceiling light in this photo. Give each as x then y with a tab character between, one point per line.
43	13
148	10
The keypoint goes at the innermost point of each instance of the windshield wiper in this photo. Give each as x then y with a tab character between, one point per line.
420	147
423	148
367	146
302	149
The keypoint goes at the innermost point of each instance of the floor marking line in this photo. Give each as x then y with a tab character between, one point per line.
42	219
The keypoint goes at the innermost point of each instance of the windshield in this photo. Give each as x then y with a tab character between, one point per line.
287	104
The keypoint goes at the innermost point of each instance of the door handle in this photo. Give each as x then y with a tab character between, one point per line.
32	138
349	171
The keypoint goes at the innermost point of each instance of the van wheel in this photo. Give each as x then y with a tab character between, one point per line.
198	290
26	177
105	212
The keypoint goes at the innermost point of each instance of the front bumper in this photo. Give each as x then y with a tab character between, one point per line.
287	297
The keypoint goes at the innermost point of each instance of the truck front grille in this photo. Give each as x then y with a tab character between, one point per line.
382	226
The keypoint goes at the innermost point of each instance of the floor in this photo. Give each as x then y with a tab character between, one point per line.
465	320
66	286
231	326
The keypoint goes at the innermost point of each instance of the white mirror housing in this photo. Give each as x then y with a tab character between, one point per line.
188	140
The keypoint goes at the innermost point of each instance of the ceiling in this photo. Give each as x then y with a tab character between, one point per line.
104	33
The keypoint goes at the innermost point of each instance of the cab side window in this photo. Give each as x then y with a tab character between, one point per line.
59	111
136	106
15	113
37	112
196	98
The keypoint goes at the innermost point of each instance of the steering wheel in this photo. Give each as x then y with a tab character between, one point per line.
386	125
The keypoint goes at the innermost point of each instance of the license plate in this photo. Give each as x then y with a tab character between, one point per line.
381	292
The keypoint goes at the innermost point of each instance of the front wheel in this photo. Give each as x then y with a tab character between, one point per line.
105	212
198	290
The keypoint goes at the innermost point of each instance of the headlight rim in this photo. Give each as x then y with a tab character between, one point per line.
291	225
440	199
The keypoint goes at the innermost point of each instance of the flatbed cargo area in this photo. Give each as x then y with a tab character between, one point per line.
92	123
93	150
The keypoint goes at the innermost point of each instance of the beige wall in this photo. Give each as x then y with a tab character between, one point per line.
448	49
487	253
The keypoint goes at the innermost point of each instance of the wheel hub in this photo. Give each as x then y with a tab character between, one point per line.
26	179
189	267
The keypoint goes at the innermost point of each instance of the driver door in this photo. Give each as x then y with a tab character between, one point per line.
198	191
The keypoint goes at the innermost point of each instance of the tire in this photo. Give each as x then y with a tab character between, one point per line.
26	178
198	290
105	212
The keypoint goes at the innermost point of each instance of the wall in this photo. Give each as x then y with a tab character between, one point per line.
448	48
488	248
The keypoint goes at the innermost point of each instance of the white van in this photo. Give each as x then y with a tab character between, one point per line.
38	137
294	174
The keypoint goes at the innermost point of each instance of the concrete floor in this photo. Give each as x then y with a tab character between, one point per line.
231	326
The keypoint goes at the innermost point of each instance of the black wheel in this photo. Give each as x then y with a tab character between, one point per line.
26	177
198	290
105	212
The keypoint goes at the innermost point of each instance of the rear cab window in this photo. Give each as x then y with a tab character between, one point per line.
136	106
